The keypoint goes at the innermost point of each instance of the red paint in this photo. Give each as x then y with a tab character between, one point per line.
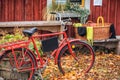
11	10
30	10
21	10
118	17
36	10
0	9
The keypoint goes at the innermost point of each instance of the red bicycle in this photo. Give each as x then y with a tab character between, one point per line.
18	60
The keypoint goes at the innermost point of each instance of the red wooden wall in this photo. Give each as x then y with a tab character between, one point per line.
22	10
29	10
110	10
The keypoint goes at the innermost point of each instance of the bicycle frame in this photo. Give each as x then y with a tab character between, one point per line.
56	51
25	44
38	62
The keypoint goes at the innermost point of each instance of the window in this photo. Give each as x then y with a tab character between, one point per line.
81	2
60	1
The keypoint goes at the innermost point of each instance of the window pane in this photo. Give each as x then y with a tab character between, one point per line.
76	1
61	1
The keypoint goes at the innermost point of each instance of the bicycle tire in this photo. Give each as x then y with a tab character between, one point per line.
25	61
84	53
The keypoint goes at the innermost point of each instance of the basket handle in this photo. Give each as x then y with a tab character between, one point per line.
89	22
98	20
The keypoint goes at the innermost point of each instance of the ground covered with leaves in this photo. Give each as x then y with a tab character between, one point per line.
106	67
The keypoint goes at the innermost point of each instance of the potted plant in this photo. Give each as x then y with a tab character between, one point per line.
75	8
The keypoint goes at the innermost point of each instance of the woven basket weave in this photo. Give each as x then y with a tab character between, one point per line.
100	29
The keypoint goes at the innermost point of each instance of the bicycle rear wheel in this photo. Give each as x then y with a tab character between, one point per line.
25	63
85	58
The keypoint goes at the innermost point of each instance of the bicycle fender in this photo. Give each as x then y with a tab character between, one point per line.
33	55
60	48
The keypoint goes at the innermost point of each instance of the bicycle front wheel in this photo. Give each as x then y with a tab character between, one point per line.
21	69
84	54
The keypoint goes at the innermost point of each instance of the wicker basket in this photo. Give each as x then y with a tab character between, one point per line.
100	30
78	36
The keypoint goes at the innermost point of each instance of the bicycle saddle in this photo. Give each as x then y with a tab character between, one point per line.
29	32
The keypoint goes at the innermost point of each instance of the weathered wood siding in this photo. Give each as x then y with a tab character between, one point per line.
32	10
22	10
110	10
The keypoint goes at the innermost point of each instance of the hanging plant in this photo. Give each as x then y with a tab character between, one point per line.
75	8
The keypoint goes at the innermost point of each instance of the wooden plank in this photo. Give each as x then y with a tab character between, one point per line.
44	9
93	12
108	16
6	10
45	6
115	13
19	10
100	10
29	23
105	10
3	10
52	26
110	43
11	10
0	9
36	9
41	9
112	11
118	18
28	10
97	12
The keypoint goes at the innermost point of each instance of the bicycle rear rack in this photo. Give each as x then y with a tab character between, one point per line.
13	45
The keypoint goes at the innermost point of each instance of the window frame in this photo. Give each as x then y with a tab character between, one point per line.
81	5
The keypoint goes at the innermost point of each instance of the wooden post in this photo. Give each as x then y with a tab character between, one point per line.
118	48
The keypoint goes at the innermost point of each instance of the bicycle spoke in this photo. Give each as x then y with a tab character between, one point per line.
25	68
80	63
